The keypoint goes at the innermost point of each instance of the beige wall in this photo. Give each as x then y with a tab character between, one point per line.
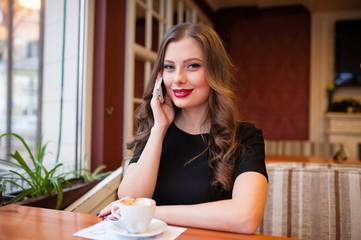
322	68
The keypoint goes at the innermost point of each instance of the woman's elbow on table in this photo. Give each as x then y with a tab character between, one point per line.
247	225
244	221
250	209
250	227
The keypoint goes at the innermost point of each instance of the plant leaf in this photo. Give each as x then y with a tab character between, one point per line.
22	178
59	189
23	142
52	171
10	162
23	194
24	166
41	151
40	166
12	182
98	169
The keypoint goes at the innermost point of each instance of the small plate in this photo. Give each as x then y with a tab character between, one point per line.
155	227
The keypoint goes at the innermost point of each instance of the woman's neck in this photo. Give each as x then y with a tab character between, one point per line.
193	122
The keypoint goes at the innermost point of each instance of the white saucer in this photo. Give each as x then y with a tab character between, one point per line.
155	227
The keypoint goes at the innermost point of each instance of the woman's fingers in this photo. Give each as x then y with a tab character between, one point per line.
111	216
168	108
155	101
106	211
163	112
167	100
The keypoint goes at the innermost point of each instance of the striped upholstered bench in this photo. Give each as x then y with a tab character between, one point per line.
304	148
313	201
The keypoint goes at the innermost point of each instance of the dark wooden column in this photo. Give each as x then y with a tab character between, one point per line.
108	84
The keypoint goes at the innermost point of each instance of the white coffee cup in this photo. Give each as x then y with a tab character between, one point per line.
136	213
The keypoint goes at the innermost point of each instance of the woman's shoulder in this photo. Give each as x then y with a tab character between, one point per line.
247	128
252	141
248	132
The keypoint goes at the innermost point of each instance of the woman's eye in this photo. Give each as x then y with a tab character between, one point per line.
168	67
194	65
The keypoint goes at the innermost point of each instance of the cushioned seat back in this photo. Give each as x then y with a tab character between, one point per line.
303	148
313	201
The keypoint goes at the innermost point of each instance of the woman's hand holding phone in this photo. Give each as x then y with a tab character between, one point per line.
160	89
161	104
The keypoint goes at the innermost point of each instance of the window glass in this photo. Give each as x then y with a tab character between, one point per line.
3	73
41	87
25	63
18	74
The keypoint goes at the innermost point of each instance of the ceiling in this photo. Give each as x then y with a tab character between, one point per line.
311	5
218	4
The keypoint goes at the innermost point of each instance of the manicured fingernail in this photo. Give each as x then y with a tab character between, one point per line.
114	219
104	217
98	213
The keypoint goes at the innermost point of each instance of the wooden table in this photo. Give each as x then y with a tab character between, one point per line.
26	223
309	159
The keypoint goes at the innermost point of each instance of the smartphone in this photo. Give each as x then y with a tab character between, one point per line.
160	89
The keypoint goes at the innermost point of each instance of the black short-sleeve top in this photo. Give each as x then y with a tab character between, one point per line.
181	181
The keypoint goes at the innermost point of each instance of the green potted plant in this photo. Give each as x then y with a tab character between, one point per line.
45	186
96	175
2	191
41	181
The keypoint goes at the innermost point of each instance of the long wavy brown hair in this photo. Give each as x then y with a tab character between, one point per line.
222	142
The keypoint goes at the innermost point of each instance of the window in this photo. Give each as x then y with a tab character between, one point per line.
42	86
19	73
147	21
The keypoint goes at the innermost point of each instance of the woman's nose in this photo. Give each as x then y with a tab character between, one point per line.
179	78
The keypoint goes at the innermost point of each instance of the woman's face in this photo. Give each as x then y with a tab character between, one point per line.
184	74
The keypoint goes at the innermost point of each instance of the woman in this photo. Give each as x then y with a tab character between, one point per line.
204	168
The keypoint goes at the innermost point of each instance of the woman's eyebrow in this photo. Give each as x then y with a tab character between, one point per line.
193	59
186	60
169	61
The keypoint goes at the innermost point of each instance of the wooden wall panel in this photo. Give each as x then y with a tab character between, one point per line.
271	50
108	84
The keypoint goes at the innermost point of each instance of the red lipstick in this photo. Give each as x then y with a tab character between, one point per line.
182	93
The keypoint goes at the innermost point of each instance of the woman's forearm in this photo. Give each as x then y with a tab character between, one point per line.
242	214
141	177
222	215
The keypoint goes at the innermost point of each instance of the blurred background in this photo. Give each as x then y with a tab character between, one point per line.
72	72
